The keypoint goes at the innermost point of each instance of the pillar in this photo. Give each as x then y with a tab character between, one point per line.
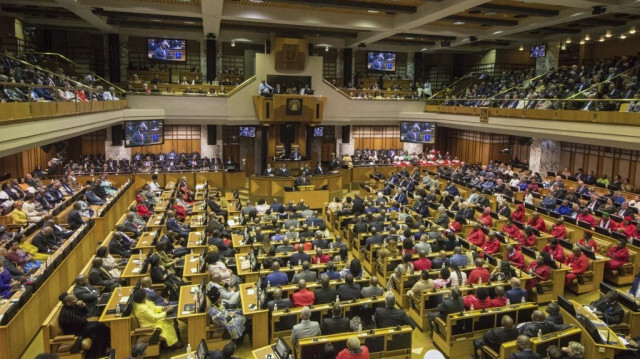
344	148
203	59
124	58
410	65
550	61
206	149
115	152
544	156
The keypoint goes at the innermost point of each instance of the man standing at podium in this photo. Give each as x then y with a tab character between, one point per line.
302	180
318	170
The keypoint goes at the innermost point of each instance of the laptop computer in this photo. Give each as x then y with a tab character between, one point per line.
202	351
281	349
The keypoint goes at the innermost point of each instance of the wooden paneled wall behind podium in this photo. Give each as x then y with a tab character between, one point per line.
299	138
24	162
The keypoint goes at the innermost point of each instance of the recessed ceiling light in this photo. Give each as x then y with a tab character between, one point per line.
521	48
156	20
423	49
633	30
563	47
190	22
498	32
577	14
373	11
409	38
623	36
587	37
608	34
581	42
326	49
568	40
458	22
491	13
233	44
601	39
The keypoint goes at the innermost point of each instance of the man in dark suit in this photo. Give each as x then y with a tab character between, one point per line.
118	246
336	324
538	322
269	171
523	344
44	241
99	276
279	301
325	294
608	309
318	170
349	290
495	337
284	171
390	316
173	225
88	294
74	219
375	238
300	256
453	304
302	180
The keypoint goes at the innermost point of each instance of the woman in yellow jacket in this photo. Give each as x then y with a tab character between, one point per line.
18	216
150	315
30	248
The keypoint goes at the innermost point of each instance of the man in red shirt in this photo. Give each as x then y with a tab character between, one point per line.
514	257
479	300
556	251
492	245
537	222
478	273
320	257
619	255
500	300
422	263
587	241
559	230
476	236
303	297
485	217
529	238
586	217
511	230
578	263
627	227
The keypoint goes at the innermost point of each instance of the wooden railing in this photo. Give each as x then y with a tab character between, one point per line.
12	111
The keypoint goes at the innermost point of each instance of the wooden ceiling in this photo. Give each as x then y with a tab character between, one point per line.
329	8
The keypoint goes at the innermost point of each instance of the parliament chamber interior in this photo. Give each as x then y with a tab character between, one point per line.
306	179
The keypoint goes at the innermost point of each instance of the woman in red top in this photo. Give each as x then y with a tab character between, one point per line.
511	230
485	217
142	209
479	300
555	250
456	225
587	241
354	350
518	214
528	240
540	270
181	212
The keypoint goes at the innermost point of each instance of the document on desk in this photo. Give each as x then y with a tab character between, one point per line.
623	340
251	291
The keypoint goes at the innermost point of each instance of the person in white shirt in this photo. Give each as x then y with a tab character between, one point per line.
426	88
305	89
264	89
514	181
262	206
528	197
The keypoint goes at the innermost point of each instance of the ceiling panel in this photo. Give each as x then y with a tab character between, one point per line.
329	8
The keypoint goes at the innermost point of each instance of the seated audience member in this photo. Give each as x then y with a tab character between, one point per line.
326	293
538	322
6	282
619	255
331	271
516	294
100	277
500	300
349	290
479	300
523	345
537	222
608	309
494	338
553	311
372	290
579	263
425	283
514	257
150	315
233	321
275	278
74	218
279	302
574	350
306	274
479	274
336	324
73	321
389	316
555	250
303	297
108	262
491	245
87	294
306	328
354	350
422	263
152	295
540	270
587	241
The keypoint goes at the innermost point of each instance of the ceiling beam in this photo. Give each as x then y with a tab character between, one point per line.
612	6
517	10
211	17
85	13
128	15
480	20
426	37
261	27
426	13
351	4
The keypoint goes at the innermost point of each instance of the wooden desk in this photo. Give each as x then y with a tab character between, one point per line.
259	317
196	322
593	349
191	271
155	222
194	242
120	327
262	353
145	242
132	270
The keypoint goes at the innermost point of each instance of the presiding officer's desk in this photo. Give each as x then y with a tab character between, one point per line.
592	348
259	317
119	326
274	187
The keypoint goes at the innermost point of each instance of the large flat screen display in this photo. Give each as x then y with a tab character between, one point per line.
167	49
143	133
418	132
538	51
247	131
381	61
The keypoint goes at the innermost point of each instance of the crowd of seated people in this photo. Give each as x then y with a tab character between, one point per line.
607	79
395	157
68	89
